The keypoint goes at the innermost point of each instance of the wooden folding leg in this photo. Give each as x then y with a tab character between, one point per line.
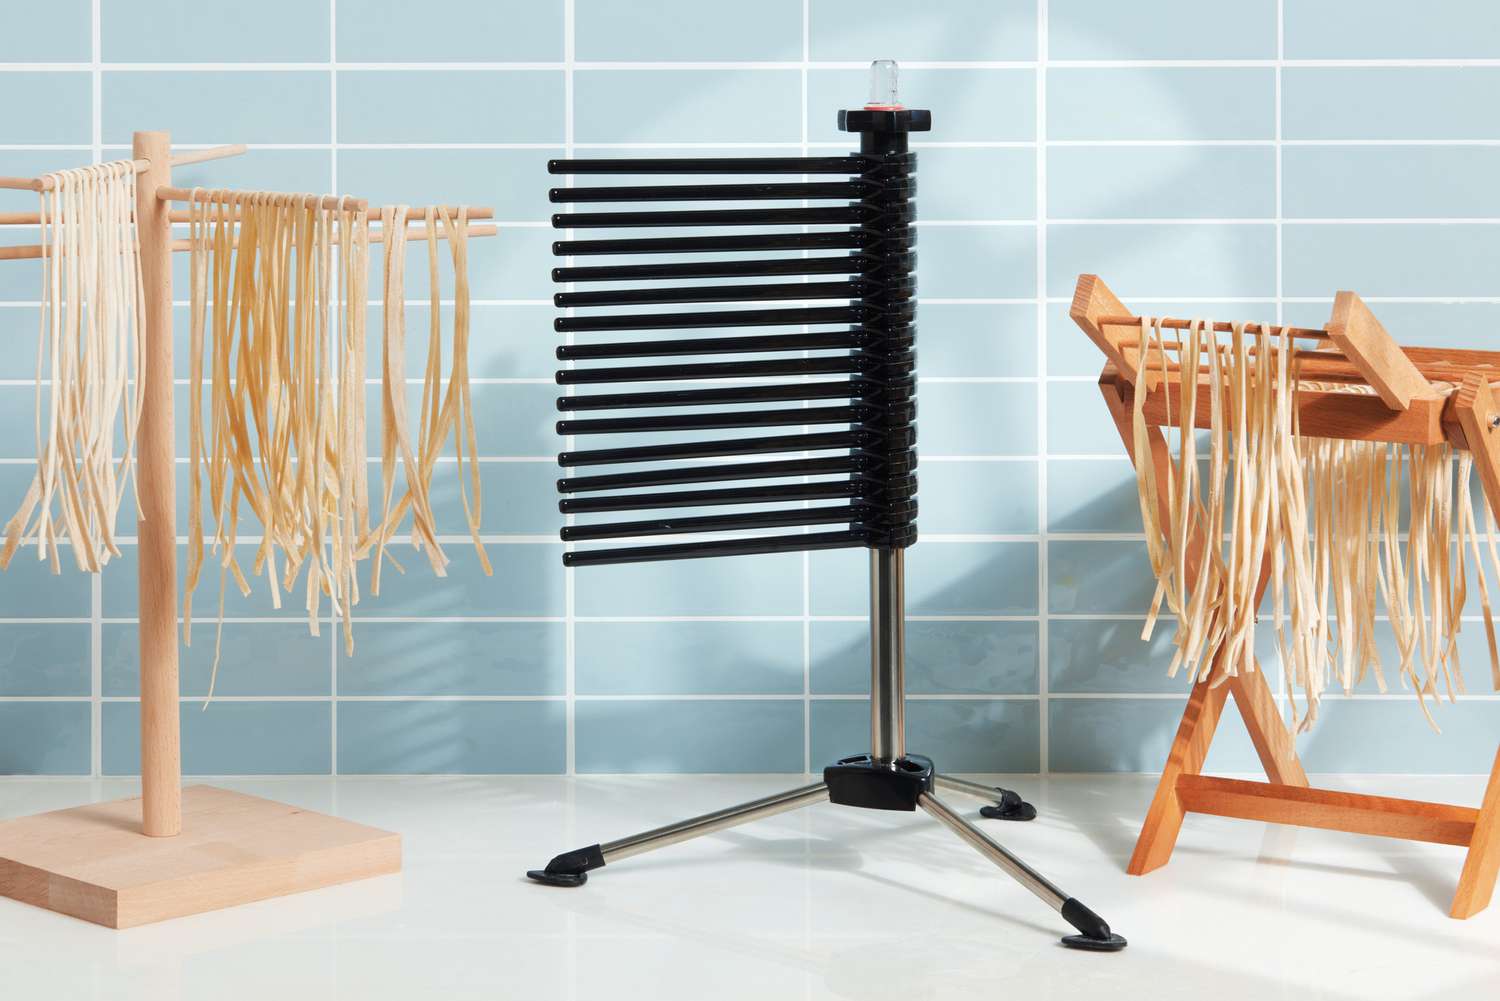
1477	884
1200	720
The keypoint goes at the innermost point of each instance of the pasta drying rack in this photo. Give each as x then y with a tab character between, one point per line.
174	851
1404	407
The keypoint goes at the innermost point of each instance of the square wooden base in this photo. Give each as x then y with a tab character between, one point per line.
93	862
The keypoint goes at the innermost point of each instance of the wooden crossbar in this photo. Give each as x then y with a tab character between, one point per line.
1403	407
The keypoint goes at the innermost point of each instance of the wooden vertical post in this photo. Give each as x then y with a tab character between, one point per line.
161	751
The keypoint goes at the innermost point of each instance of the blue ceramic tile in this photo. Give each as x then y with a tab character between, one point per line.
1078	422
451	106
513	182
1165	261
943	578
689	658
977	418
976	262
44	659
1134	735
1161	103
673	30
1390	735
976	183
517	498
54	32
309	170
745	585
968	105
218	106
1426	324
1161	182
452	738
963	339
257	659
528	581
44	738
230	738
1390	260
211	31
688	736
510	421
1161	29
1390	29
1388	182
1070	352
454	658
64	117
450	30
1093	576
962	736
1093	495
1108	656
943	658
958	30
686	106
30	590
977	498
505	342
1389	102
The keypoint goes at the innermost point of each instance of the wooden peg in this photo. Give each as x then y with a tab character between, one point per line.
1366	343
1474	405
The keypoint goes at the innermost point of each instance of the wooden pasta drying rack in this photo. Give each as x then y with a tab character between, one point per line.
1354	348
174	851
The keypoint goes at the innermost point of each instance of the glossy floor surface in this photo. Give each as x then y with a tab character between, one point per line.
824	903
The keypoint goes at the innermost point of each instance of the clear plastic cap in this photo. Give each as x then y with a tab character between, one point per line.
885	85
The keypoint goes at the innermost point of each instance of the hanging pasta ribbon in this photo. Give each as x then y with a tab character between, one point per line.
279	327
1318	521
88	360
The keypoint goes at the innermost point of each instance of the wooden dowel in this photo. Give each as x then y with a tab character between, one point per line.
33	251
20	183
211	153
161	747
184	215
207	195
1301	333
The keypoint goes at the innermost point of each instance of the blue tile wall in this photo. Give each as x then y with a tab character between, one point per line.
1141	141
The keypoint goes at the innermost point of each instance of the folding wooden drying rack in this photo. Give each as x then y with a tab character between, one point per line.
174	851
1405	408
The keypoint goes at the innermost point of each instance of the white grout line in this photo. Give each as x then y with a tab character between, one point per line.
570	586
1043	547
96	584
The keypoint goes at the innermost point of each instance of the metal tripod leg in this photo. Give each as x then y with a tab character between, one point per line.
1004	804
571	868
1094	933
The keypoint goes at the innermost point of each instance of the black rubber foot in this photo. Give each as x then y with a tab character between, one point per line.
1112	944
1010	807
569	868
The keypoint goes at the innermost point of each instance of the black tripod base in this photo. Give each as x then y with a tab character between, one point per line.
1093	931
1010	807
569	868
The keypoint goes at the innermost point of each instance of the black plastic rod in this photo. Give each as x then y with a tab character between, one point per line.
818	441
713	165
710	474
705	422
763	494
844	264
715	293
719	318
713	192
739	522
720	547
824	365
718	396
849	239
842	216
755	344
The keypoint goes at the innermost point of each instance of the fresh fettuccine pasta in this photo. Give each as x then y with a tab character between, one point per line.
89	388
1318	522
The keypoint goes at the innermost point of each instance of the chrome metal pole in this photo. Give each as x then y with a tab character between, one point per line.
966	788
887	654
995	852
708	823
